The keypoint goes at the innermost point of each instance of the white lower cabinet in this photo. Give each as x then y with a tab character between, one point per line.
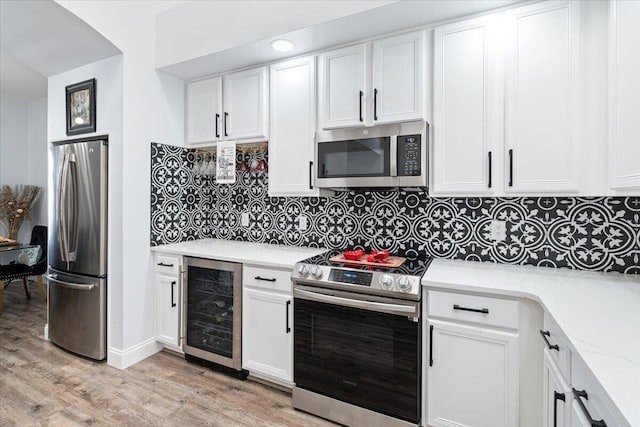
267	326
168	300
472	376
556	395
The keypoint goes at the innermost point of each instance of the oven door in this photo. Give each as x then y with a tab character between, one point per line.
359	349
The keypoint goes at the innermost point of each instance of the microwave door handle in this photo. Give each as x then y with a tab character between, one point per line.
393	155
397	309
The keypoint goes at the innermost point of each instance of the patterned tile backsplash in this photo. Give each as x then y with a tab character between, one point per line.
594	233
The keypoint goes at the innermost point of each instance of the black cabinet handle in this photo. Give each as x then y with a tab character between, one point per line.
173	284
556	396
226	116
489	169
288	304
475	310
265	279
361	94
310	175
582	394
375	104
510	167
162	264
217	131
430	345
545	335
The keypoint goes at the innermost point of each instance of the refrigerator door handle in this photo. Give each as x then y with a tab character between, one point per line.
78	286
61	208
72	242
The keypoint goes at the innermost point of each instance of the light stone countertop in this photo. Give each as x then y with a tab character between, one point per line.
261	254
598	312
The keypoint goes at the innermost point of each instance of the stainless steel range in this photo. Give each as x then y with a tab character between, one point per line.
357	341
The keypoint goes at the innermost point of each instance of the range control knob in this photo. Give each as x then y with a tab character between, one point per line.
316	272
404	284
303	271
386	282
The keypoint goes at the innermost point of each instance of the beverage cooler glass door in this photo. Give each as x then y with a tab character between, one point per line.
366	358
213	297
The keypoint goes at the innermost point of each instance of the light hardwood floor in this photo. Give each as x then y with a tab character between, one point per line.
42	385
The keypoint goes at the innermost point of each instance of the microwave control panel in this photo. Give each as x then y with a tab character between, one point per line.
409	155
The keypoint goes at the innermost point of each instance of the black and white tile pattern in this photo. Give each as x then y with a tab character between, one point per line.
599	233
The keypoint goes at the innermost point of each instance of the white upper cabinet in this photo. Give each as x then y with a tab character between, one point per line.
343	87
624	95
292	126
373	83
204	110
541	97
245	104
398	76
243	114
463	153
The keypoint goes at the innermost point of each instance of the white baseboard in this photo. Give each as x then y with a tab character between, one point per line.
122	359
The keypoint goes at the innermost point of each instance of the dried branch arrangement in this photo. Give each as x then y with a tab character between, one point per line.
15	206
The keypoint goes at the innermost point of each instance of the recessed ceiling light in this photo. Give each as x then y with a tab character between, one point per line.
282	45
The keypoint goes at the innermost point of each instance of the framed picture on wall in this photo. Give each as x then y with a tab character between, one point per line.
81	107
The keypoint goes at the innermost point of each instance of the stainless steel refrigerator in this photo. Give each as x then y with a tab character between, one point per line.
78	247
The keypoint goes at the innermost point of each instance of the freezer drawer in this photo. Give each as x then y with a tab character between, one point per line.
77	313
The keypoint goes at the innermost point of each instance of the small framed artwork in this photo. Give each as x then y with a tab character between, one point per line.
81	107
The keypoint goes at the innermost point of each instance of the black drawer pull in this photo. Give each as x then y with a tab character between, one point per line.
361	94
288	329
489	184
375	104
545	337
475	310
430	345
510	167
162	264
556	396
217	131
226	116
265	279
173	284
582	394
310	175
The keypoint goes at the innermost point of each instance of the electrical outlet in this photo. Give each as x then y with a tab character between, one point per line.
498	230
302	223
244	219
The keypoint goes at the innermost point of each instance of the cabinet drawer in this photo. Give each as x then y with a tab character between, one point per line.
168	264
475	309
267	278
596	403
558	346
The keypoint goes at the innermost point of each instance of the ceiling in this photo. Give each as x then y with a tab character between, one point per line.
380	18
38	39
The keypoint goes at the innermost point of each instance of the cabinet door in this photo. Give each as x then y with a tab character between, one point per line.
343	87
293	125
168	310
473	378
463	153
204	110
541	97
266	335
556	401
624	93
245	104
398	78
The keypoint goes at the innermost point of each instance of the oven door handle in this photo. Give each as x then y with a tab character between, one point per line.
397	309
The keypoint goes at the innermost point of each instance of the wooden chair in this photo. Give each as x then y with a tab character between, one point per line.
8	273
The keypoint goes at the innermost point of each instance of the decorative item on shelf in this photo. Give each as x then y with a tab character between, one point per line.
15	207
81	107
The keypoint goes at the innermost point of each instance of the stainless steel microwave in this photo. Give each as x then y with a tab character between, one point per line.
385	156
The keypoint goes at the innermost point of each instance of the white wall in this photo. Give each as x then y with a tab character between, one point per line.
152	110
108	75
23	148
